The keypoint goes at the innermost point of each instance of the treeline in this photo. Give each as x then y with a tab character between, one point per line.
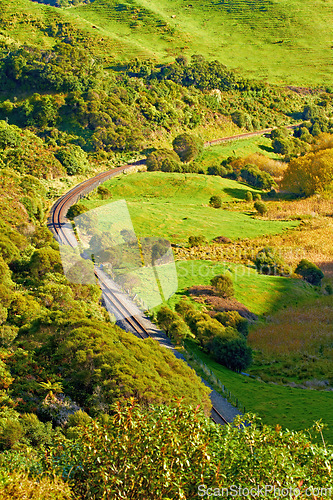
197	72
63	3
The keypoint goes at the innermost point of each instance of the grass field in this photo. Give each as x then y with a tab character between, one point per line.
261	294
239	148
275	40
176	206
278	40
292	408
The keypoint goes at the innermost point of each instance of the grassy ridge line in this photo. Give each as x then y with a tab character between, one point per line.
276	40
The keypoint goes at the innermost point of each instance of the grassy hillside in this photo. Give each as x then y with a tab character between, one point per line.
275	40
278	41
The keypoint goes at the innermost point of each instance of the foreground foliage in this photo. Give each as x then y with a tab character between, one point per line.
159	452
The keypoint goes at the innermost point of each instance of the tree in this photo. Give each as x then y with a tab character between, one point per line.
260	207
223	285
187	147
9	135
310	272
163	159
235	354
73	158
166	317
215	201
309	174
242	120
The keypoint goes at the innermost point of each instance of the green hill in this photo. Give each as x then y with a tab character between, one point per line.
278	41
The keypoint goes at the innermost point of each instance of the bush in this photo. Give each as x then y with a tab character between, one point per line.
75	210
163	159
248	196
73	158
234	320
310	272
196	241
215	201
223	285
217	170
104	192
257	178
256	197
260	207
187	147
267	261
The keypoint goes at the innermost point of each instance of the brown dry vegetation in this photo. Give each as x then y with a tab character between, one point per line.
306	329
207	295
273	167
312	240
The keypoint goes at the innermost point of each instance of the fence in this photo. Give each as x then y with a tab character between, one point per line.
215	382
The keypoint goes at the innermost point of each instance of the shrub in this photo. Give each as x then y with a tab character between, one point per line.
187	147
260	207
75	210
73	158
223	285
234	320
310	272
256	197
267	261
257	178
196	241
103	192
163	159
222	239
217	170
215	201
248	196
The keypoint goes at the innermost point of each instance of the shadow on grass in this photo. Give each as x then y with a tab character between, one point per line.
238	193
266	148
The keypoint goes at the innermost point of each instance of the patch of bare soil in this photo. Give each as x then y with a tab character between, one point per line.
206	295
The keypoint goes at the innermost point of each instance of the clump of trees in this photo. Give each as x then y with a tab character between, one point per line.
236	169
222	336
186	149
